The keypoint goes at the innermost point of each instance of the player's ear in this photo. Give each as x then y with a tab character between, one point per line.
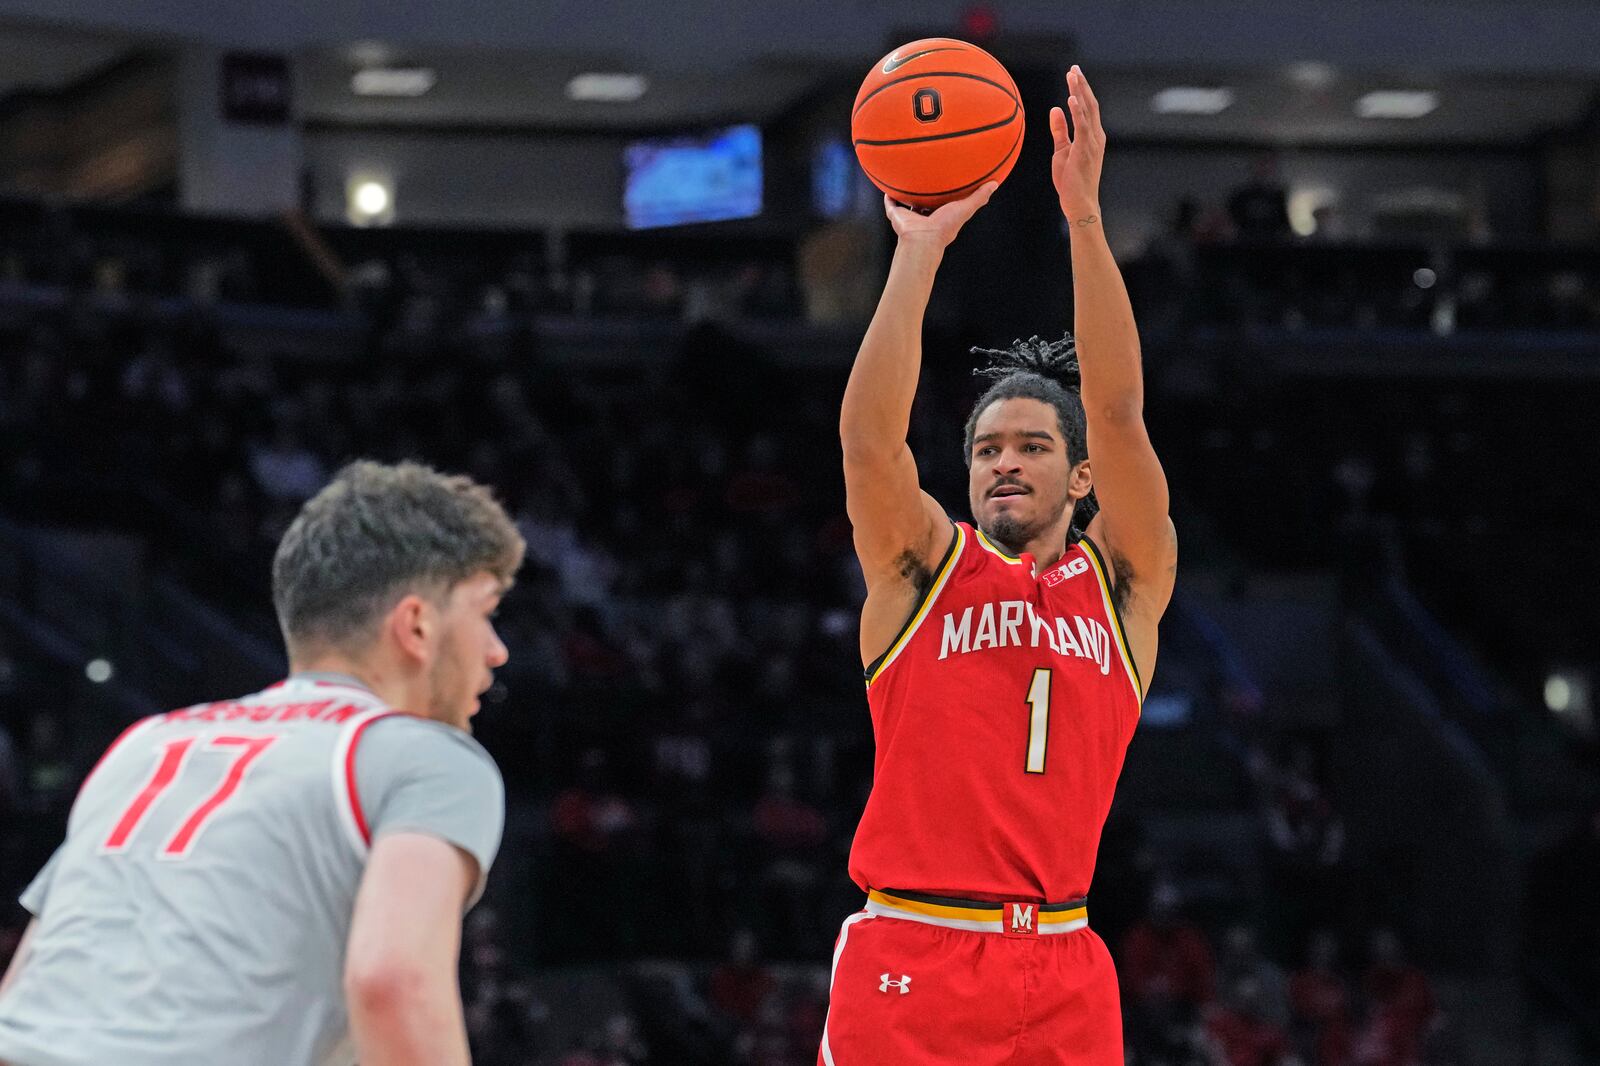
1080	481
411	624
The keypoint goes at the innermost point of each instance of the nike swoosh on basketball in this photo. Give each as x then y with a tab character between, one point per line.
894	63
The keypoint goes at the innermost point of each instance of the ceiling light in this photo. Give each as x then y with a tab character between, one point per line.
392	81
1312	74
369	199
1568	695
1397	103
1304	203
607	88
1189	100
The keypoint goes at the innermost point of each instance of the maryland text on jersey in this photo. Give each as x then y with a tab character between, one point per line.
1017	624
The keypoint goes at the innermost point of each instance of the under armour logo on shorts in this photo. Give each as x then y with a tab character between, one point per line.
904	984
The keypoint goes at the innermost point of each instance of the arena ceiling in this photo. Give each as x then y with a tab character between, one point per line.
44	60
1270	103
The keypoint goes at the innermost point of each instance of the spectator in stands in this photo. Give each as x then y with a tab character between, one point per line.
808	1011
1319	999
505	1018
285	470
1260	207
791	833
595	828
740	985
1240	1032
50	775
616	1043
1241	960
1167	971
1305	843
1399	1006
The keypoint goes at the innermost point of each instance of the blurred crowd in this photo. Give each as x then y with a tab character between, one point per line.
681	725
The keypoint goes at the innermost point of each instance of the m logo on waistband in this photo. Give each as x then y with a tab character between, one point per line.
1021	917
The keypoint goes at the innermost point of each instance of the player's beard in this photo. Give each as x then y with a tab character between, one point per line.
1015	534
445	687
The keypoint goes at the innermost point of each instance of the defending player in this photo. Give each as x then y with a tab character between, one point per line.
280	879
1006	663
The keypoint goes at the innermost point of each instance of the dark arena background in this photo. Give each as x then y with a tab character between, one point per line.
615	259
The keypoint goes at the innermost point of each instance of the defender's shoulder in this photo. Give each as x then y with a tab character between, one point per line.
399	730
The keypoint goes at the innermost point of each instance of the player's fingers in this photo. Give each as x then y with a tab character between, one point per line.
1058	128
957	211
1087	91
1080	117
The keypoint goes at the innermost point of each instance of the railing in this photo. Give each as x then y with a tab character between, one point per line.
163	644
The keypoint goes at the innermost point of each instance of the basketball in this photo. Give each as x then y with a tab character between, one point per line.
935	119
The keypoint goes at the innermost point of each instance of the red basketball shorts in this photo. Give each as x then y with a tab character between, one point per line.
909	993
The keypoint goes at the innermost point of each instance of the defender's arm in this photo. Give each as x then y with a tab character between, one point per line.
405	938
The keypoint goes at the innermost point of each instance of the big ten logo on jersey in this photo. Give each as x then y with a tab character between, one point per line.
1071	568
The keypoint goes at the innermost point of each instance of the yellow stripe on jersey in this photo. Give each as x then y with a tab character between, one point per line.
972	914
1014	560
1092	552
956	547
1057	917
934	910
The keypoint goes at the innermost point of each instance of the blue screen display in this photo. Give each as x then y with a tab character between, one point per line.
833	178
675	180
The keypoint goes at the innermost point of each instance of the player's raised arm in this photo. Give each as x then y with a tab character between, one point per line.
405	939
900	531
1133	523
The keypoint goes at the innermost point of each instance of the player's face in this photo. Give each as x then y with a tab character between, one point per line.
469	650
1019	474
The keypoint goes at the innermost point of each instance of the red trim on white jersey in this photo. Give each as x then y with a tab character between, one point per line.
348	798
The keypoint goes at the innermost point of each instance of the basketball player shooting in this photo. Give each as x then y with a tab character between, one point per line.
279	879
1006	663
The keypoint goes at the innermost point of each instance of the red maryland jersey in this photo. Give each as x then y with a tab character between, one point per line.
1001	714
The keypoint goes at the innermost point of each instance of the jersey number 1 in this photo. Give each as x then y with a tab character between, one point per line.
1038	719
174	754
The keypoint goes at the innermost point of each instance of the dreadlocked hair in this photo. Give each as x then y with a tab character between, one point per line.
1046	371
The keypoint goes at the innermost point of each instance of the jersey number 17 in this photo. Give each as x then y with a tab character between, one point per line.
174	759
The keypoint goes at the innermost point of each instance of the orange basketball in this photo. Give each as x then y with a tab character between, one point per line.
935	119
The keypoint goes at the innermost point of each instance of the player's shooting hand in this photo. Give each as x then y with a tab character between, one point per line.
1079	152
944	223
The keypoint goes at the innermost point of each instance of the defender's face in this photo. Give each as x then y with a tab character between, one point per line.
1019	474
469	650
